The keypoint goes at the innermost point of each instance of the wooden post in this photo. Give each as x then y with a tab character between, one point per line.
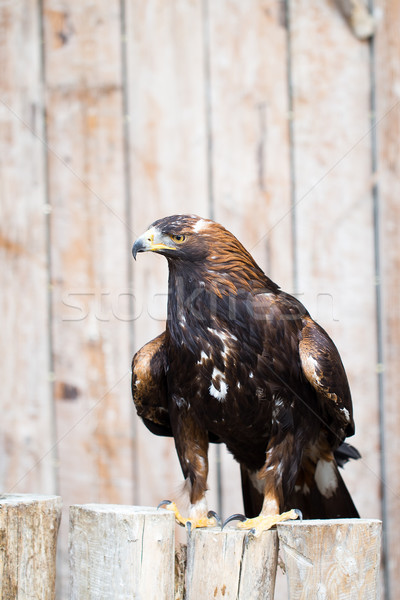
229	564
332	559
28	539
121	552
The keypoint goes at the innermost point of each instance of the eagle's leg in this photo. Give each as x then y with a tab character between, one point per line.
192	451
269	478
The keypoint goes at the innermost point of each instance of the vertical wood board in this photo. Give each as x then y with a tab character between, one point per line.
90	253
250	134
387	69
26	430
90	243
334	252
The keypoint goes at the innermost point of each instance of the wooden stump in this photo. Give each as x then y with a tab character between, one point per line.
332	558
229	564
28	539
121	552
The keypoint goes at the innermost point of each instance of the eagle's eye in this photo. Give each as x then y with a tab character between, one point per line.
179	239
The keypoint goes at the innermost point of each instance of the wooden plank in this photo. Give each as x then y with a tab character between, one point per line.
332	559
121	552
250	146
230	564
167	141
335	263
387	74
90	252
28	533
27	460
90	239
249	114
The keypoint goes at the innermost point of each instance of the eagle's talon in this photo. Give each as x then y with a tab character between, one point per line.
164	503
250	535
171	506
212	514
298	513
235	517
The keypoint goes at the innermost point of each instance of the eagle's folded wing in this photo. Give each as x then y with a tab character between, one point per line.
149	386
323	368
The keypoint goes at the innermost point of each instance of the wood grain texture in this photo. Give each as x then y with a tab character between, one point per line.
28	539
332	559
334	213
167	155
250	146
26	431
121	552
387	73
228	565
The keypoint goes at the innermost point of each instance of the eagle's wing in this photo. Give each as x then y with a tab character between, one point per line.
323	368
149	386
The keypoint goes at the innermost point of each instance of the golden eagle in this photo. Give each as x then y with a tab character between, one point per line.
243	363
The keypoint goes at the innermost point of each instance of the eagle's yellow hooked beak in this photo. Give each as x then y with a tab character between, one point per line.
152	240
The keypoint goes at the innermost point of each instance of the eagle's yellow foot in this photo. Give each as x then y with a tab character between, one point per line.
211	520
263	522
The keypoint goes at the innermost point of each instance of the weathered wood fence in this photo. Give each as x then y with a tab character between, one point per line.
125	552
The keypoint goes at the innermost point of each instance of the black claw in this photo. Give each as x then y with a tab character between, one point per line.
212	513
299	513
163	503
236	517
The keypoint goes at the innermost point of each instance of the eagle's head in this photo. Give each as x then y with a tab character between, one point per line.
202	249
184	237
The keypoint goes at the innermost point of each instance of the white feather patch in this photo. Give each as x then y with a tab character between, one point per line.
311	367
259	484
200	225
325	478
346	413
203	358
225	338
198	510
223	386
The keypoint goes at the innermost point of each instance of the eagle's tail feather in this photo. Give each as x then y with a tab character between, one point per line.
252	498
328	498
